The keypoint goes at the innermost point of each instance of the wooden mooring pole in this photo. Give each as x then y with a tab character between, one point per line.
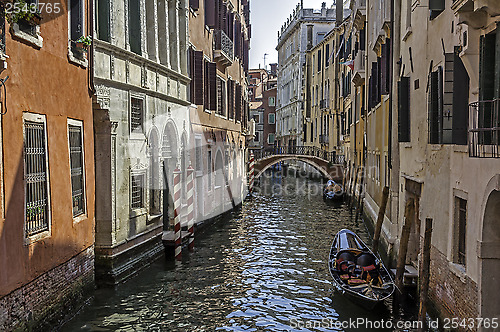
403	246
353	189
424	274
380	219
360	197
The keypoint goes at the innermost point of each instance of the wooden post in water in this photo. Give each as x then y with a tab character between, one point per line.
424	273
380	219
353	191
403	244
360	197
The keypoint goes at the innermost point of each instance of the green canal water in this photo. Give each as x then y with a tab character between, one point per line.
264	269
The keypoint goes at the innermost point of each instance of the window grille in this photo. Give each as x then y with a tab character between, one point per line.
137	191
2	28
36	181
76	162
462	222
136	115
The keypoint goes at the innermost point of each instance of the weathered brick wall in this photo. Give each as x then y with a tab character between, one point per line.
49	299
451	296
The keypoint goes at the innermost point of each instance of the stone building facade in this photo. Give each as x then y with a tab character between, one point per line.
219	43
142	128
47	168
304	29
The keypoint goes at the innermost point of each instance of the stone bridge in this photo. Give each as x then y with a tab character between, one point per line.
329	164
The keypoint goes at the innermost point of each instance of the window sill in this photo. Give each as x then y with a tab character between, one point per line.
407	33
207	111
138	212
458	270
37	237
75	60
154	216
79	218
36	41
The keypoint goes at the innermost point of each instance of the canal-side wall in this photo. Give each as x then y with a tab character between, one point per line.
50	299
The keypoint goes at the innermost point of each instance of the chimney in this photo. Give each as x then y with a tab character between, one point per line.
323	9
339	12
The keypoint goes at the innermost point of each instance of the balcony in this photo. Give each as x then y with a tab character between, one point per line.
484	129
358	76
358	8
223	48
475	12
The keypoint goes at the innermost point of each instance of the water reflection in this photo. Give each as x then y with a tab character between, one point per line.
263	270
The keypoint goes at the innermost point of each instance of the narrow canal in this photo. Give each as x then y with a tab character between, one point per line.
265	269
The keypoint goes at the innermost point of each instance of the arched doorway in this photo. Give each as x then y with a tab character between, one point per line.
169	164
490	258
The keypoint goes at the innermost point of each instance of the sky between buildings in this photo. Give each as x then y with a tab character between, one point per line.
266	17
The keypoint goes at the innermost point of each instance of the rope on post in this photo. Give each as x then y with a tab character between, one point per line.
177	217
190	207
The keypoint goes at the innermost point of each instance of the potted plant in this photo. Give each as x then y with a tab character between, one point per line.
83	42
25	12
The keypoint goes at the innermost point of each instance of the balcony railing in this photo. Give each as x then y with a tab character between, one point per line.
484	129
332	157
223	46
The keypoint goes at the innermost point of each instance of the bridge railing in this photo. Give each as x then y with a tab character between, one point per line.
332	157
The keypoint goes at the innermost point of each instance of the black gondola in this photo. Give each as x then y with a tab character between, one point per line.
357	272
333	191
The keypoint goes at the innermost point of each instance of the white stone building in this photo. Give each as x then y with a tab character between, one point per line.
141	121
304	29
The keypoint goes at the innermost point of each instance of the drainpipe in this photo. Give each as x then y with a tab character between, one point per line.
394	139
91	53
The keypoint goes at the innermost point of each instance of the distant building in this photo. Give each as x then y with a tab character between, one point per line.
262	93
47	169
304	29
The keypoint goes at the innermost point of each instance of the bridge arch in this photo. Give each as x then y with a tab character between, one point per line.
333	172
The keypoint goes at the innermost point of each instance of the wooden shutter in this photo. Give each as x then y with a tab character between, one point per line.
362	39
378	80
230	98
461	83
385	68
194	4
433	108
404	109
440	96
219	95
206	86
210	13
197	78
212	86
237	107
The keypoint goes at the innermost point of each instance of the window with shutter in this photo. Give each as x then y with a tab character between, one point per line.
103	20
237	101
385	68
327	54
197	78
461	82
404	109
210	13
436	7
134	21
433	108
212	86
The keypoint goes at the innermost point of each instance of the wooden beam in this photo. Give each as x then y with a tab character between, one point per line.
380	219
403	244
424	273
